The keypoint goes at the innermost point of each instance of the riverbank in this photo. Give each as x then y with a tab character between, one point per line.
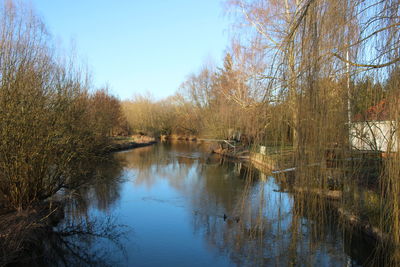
270	164
128	145
131	142
241	154
176	137
282	165
22	233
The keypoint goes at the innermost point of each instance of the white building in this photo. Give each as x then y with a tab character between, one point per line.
374	135
374	131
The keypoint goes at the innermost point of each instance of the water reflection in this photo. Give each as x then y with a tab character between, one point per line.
190	208
238	215
100	192
84	241
89	234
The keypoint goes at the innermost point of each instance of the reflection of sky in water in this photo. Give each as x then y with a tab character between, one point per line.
174	199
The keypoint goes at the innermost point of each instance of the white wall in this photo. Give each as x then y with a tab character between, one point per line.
374	135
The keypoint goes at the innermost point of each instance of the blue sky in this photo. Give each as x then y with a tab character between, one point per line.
137	46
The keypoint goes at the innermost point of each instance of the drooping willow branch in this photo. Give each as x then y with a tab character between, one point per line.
373	66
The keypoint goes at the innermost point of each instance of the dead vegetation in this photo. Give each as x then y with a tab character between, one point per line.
48	118
52	121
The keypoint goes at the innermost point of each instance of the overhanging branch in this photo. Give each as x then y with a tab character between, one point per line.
372	66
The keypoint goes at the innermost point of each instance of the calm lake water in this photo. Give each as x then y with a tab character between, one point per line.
174	204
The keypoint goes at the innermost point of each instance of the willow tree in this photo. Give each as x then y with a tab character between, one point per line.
274	36
320	52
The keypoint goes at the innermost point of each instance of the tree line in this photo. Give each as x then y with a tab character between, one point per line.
214	102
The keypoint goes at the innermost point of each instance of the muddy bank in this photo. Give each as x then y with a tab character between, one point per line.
175	137
121	143
23	232
128	145
270	164
242	154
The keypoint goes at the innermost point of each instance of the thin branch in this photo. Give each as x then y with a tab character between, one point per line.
372	66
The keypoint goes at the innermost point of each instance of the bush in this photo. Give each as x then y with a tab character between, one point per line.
48	120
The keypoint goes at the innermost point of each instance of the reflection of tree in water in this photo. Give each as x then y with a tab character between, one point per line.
82	238
218	209
101	190
76	243
242	212
249	219
172	161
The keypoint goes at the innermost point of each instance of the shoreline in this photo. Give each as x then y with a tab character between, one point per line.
265	163
22	230
175	137
128	146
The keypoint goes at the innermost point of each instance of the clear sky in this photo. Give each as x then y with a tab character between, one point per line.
139	45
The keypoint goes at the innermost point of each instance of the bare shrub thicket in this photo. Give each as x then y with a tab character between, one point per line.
145	115
48	118
213	103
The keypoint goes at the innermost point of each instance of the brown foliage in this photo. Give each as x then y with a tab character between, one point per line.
48	120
